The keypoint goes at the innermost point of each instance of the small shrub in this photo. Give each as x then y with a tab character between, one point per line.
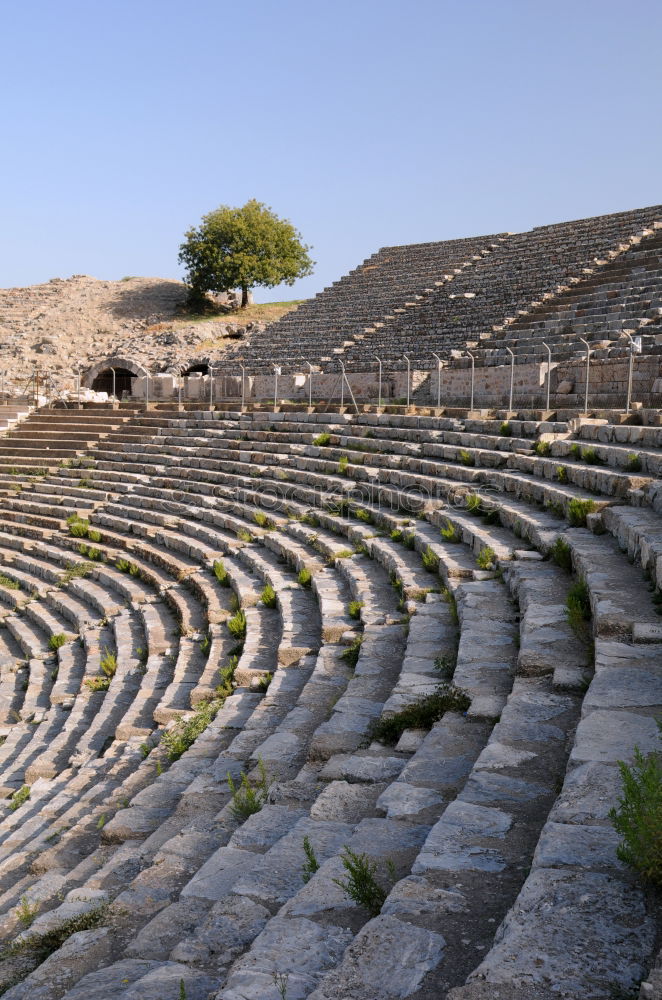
638	816
445	666
178	738
268	597
578	511
466	458
542	448
262	686
322	439
354	609
561	554
451	533
311	520
449	597
409	540
305	578
7	582
421	714
94	535
396	535
486	558
311	864
56	641
578	607
562	473
85	484
37	947
27	911
97	683
237	624
108	662
244	535
576	451
343	463
506	429
360	884
363	515
248	796
634	462
88	550
20	796
280	980
343	554
75	571
473	504
351	654
591	456
221	573
205	645
78	526
430	560
263	521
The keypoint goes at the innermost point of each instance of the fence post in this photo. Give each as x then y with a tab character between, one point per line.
310	385
438	379
512	379
549	370
277	371
473	372
243	385
379	389
630	370
588	371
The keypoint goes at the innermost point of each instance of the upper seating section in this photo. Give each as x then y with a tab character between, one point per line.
525	268
378	288
442	296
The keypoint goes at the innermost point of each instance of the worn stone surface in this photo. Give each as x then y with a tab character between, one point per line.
589	934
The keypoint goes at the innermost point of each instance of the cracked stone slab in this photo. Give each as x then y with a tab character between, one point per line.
578	934
388	959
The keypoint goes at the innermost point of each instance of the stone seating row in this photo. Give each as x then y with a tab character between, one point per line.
387	551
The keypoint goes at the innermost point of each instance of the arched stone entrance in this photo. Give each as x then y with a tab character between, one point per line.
199	368
100	376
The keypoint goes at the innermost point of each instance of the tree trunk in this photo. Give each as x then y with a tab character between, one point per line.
244	296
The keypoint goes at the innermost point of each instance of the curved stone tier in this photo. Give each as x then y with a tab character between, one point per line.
283	581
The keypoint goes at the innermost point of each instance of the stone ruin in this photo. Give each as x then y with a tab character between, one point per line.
236	645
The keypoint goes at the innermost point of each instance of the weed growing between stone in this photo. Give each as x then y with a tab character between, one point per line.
451	533
638	816
27	911
430	560
311	864
249	796
561	554
20	796
486	558
360	885
578	510
221	573
421	714
39	946
351	654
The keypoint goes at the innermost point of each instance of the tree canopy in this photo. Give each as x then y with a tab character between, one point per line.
242	247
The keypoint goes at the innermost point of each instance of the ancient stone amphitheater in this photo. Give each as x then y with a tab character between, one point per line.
223	635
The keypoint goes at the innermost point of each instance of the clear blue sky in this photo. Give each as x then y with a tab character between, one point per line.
365	122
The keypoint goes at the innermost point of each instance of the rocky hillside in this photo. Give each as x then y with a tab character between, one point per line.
79	320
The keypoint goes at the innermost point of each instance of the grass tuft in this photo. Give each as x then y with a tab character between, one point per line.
421	714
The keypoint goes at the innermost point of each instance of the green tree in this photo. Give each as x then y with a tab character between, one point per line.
242	247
